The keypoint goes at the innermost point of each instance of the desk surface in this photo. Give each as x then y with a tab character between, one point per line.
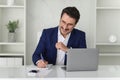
56	71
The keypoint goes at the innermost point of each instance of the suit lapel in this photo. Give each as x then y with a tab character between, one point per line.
71	39
54	37
54	40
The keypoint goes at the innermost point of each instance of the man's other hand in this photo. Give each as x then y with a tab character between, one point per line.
61	46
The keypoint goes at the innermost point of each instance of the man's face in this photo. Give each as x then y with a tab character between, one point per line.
67	24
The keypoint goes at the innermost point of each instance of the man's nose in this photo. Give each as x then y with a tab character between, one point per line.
65	26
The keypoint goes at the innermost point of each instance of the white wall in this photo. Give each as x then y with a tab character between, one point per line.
46	13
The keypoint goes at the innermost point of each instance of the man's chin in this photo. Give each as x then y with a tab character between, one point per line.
66	34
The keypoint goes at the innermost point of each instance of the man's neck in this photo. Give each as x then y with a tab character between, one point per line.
64	36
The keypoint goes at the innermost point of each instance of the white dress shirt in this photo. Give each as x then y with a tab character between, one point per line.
61	54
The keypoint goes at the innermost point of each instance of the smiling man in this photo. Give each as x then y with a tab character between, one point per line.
55	42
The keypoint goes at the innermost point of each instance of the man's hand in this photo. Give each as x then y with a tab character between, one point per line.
42	64
61	46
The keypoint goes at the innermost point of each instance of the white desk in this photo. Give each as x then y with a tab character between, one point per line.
56	71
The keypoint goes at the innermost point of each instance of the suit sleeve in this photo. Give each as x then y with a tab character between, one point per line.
39	49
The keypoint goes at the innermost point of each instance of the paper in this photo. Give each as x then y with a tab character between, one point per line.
42	71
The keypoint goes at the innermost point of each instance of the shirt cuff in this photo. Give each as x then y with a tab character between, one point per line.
37	62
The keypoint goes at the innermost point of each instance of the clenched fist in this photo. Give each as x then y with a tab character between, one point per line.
61	46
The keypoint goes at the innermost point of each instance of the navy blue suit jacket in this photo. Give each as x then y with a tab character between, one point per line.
46	46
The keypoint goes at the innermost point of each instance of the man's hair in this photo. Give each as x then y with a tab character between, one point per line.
72	12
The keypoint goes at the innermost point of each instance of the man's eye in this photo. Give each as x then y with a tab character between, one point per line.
70	24
63	22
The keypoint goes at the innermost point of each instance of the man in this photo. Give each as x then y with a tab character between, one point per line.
54	42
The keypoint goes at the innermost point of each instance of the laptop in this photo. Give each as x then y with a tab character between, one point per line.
82	59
